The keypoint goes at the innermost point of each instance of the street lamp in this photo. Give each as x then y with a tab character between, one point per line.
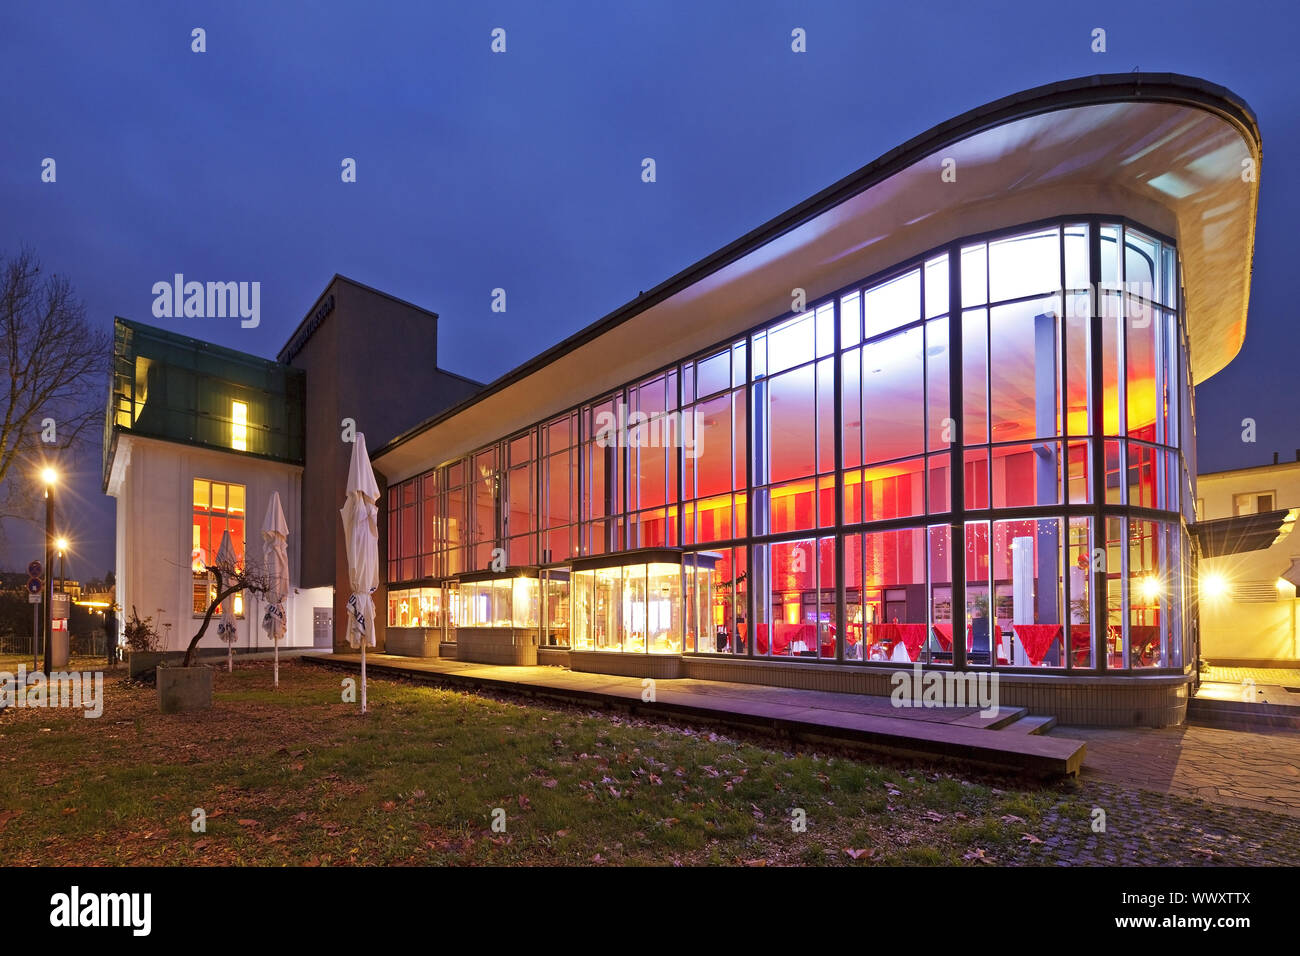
51	478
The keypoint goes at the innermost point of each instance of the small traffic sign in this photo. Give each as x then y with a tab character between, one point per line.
34	598
34	586
34	569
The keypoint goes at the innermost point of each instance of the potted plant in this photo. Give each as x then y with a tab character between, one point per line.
141	645
188	685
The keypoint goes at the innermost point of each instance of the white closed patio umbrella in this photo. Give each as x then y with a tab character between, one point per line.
361	535
275	554
226	627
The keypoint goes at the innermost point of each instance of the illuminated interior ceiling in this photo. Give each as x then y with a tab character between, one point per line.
1164	150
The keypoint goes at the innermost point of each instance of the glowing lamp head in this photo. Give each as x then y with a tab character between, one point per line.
62	544
1150	587
49	476
1214	585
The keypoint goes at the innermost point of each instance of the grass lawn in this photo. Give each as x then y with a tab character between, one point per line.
295	776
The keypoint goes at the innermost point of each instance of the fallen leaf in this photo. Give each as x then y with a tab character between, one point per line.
931	815
388	805
860	854
550	784
977	854
1029	838
1012	818
248	823
68	811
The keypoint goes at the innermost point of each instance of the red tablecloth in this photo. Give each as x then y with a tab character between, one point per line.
1036	639
913	638
944	633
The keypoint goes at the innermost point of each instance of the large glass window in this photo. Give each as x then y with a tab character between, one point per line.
218	507
1071	391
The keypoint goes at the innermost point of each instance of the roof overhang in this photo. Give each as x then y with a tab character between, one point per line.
1170	151
1237	535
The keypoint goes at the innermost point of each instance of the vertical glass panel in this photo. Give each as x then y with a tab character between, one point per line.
980	619
793	597
1141	265
939	424
739	373
1079	561
1023	369
1076	256
936	287
850	320
896	490
1115	483
1077	348
792	432
1026	475
974	276
1116	562
1028	587
1112	330
662	614
975	422
825	329
893	396
893	620
851	406
790	343
1110	257
939	484
977	477
1024	265
1141	360
1147	594
826	415
892	303
939	543
712	374
1080	473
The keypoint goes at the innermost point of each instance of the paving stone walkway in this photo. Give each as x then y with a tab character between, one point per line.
1260	675
1257	768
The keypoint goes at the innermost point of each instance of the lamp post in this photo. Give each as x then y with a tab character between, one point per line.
50	477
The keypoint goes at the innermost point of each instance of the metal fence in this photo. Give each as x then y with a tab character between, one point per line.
94	644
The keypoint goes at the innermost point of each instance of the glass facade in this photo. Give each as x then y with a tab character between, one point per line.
991	439
177	388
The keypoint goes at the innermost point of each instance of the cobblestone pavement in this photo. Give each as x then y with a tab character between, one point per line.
1143	828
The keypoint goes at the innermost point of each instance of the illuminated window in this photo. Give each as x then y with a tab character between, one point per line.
218	507
239	426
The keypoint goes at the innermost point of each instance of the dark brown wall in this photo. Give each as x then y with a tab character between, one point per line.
374	360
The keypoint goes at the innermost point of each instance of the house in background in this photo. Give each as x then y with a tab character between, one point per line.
198	437
1251	567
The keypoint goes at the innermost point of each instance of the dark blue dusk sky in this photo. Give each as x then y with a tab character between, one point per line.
522	170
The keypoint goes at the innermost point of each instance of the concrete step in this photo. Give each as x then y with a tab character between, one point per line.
1004	717
1218	711
1031	725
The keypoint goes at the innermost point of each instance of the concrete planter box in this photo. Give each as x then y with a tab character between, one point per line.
140	663
412	641
656	666
183	689
512	646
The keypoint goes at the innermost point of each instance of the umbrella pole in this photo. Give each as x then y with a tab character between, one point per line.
230	658
277	663
363	674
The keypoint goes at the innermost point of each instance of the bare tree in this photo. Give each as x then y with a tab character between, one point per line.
252	580
57	366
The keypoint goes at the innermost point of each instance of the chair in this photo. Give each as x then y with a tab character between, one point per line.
980	647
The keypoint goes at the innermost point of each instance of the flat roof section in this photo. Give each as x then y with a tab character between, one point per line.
1163	149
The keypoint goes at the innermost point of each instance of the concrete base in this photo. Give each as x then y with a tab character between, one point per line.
515	646
553	657
656	666
413	641
183	689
